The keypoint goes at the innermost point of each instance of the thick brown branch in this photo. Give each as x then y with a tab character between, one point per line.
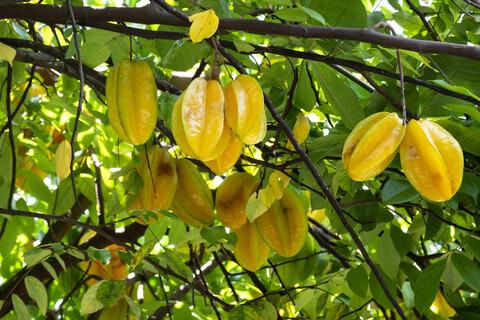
152	14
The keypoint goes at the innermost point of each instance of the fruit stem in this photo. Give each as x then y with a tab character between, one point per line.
400	69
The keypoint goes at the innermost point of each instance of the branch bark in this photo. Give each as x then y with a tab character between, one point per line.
152	14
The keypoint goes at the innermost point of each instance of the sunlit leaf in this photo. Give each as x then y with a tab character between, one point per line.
63	157
204	25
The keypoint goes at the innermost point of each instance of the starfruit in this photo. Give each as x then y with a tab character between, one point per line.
432	160
232	197
193	201
372	145
299	267
228	157
159	176
300	130
244	109
251	251
198	120
284	225
116	269
131	95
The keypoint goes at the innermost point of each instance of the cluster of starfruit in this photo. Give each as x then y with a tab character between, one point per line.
282	227
211	124
173	184
431	158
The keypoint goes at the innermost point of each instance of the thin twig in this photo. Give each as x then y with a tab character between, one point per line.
80	99
98	187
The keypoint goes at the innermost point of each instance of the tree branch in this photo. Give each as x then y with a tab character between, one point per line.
152	14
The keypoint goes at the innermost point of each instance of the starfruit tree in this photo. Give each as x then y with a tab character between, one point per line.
239	159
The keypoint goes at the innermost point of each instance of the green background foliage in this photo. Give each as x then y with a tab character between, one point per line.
418	246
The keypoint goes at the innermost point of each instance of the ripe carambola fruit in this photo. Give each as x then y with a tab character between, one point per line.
116	269
300	130
244	109
193	202
229	156
372	145
284	225
441	307
432	160
198	120
232	197
251	251
131	95
159	181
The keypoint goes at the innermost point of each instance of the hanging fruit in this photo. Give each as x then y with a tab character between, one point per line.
244	109
251	251
159	176
284	225
300	130
198	120
432	160
372	145
193	201
232	197
131	95
228	157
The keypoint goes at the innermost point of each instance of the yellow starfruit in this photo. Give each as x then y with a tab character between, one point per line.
244	109
159	176
227	159
131	95
198	120
251	251
432	160
372	145
441	307
300	130
284	225
232	197
193	202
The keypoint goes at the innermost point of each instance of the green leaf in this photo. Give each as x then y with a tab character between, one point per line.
7	53
171	259
357	279
135	309
468	270
335	312
427	285
243	312
109	292
90	303
255	207
450	276
341	97
20	308
265	309
472	244
342	13
388	256
377	291
142	253
34	256
50	269
36	290
178	55
398	191
292	14
102	255
62	199
242	46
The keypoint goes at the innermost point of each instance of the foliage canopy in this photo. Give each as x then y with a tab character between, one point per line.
375	249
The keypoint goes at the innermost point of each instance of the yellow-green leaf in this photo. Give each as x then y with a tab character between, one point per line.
204	25
8	53
63	156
